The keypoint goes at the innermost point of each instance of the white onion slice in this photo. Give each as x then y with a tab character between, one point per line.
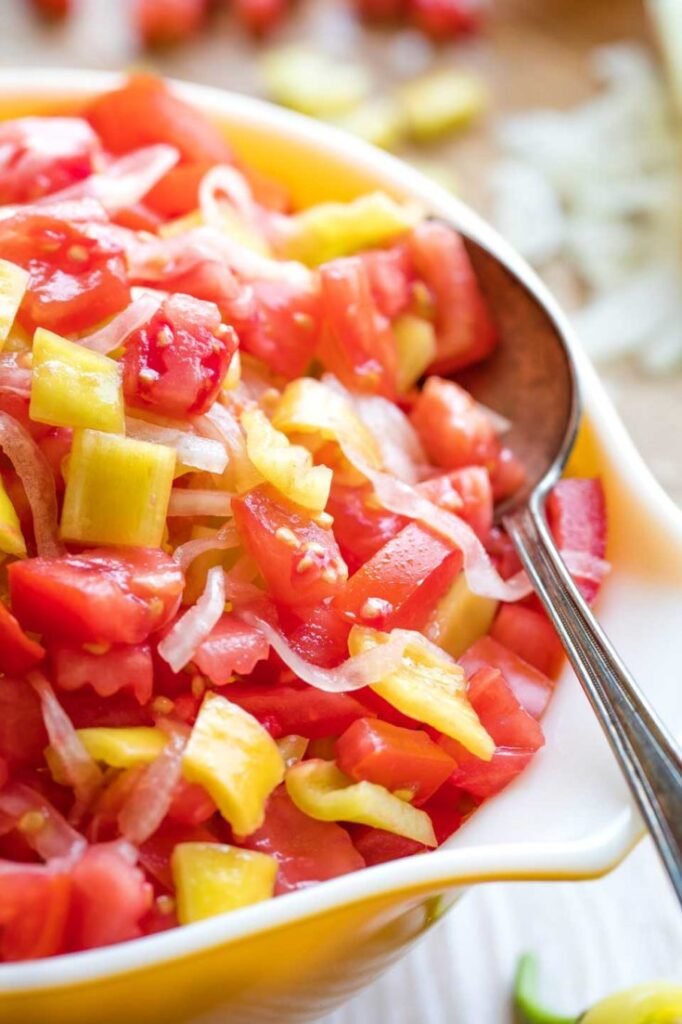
192	628
199	503
112	335
585	566
86	210
148	804
191	449
127	180
226	538
53	836
79	767
233	185
35	474
15	379
401	450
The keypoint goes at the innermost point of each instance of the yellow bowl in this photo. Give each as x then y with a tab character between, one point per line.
568	816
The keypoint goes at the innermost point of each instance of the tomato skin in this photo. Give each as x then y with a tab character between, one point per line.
191	804
465	332
403	581
453	430
282	330
391	277
307	851
376	846
176	363
155	852
529	634
161	22
298	709
483	779
467	493
34	904
177	193
145	111
74	281
109	897
18	653
319	634
126	667
356	342
260	516
101	596
507	475
231	647
22	731
360	528
576	513
43	155
404	759
531	688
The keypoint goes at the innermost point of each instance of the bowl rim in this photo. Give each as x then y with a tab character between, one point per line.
589	857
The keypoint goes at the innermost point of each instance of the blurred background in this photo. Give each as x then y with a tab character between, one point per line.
561	121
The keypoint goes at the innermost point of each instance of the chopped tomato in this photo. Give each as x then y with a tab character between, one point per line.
319	634
145	111
501	549
34	904
101	596
139	217
483	779
295	708
160	22
400	585
380	10
376	846
465	332
191	804
22	733
360	527
467	493
53	8
306	850
156	852
576	512
282	329
87	709
455	432
178	191
231	647
444	809
260	16
75	281
42	155
175	364
18	653
399	759
109	897
391	277
530	687
507	475
443	19
123	667
356	342
529	634
300	562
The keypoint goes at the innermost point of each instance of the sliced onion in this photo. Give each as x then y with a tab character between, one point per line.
192	450
361	670
199	503
126	180
233	185
79	767
150	800
15	379
112	335
226	538
37	479
239	586
52	836
80	211
401	451
585	566
192	628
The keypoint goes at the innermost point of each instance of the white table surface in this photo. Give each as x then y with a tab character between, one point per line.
592	937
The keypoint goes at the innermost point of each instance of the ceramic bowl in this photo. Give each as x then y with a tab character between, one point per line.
568	816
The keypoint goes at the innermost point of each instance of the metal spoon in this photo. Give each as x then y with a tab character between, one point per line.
531	379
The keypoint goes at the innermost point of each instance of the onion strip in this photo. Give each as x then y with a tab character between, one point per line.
191	629
192	450
225	539
37	479
189	502
51	836
112	335
148	804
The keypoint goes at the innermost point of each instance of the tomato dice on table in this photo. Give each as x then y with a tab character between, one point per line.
168	21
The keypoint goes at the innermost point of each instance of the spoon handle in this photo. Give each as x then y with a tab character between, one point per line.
649	757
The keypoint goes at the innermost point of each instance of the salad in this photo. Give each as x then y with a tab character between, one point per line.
257	628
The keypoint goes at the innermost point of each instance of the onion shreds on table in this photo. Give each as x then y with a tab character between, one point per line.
599	187
44	829
192	450
126	180
148	803
192	628
110	337
37	479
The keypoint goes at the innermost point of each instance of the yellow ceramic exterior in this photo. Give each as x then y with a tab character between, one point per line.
293	958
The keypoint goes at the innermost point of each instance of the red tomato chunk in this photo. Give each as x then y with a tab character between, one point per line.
231	647
18	653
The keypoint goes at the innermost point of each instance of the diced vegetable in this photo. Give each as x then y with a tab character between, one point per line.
320	790
123	747
440	102
313	84
428	689
460	618
232	646
211	878
13	284
117	490
18	653
530	635
11	538
530	687
233	757
298	708
288	467
453	429
415	340
576	512
74	387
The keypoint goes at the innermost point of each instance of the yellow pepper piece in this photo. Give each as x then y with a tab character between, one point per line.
235	759
234	373
74	387
288	467
380	121
415	340
125	747
322	791
653	1003
11	538
308	406
440	102
330	230
460	618
211	879
13	285
117	490
313	84
429	689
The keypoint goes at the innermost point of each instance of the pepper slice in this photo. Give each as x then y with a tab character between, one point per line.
211	878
